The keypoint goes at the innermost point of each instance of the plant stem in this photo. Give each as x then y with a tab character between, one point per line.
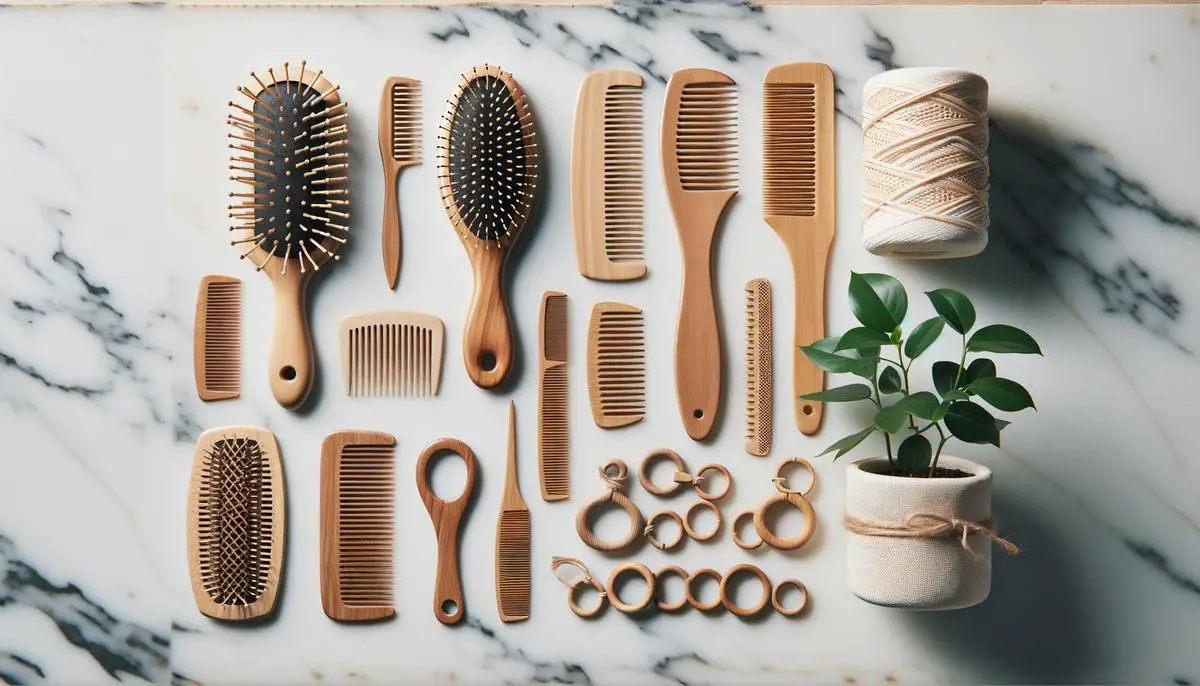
938	452
912	423
894	363
962	361
887	440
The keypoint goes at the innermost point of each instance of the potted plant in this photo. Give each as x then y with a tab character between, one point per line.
919	522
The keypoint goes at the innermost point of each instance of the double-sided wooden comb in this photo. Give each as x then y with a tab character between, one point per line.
513	533
217	339
358	487
392	352
699	158
760	367
399	147
616	364
798	202
606	177
554	466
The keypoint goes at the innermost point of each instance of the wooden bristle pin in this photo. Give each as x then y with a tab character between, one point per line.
760	367
392	353
217	341
616	364
554	466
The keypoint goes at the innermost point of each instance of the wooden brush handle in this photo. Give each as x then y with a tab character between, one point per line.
291	360
447	519
391	229
698	343
487	338
448	604
809	259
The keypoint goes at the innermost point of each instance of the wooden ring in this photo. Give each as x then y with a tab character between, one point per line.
687	520
637	522
615	598
573	601
779	606
692	598
658	601
799	502
727	599
653	538
617	464
714	468
654	458
780	481
734	531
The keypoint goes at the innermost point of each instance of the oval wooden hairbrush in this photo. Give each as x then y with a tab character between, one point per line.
289	148
487	172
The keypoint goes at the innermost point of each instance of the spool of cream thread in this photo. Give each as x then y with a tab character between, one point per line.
925	166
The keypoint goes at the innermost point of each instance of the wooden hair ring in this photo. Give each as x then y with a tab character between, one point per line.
781	482
687	520
727	598
573	587
614	473
693	598
615	598
779	606
654	458
700	477
795	500
653	538
733	530
667	571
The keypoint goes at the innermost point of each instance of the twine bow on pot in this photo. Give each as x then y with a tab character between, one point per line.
924	525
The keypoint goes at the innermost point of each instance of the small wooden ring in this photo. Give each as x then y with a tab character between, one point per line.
687	520
780	481
799	502
654	458
637	522
617	464
658	601
653	538
692	598
615	598
779	606
714	468
573	602
727	599
734	531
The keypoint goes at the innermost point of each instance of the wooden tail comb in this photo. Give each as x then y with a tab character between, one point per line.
393	353
217	339
554	465
760	367
616	364
513	533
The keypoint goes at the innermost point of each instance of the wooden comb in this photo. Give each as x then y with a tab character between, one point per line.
513	533
798	202
554	467
606	177
217	339
448	604
616	364
358	484
699	158
399	147
392	352
760	367
236	522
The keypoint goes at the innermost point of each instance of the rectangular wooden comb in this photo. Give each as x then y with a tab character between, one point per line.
358	484
217	338
760	367
616	364
554	465
798	202
607	196
513	534
392	352
399	147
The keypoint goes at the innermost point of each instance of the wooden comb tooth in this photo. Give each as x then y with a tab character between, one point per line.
706	139
553	436
392	353
616	364
217	340
759	367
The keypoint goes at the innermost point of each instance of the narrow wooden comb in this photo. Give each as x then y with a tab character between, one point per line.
513	533
554	467
392	352
399	147
607	196
760	367
236	522
798	202
616	364
358	485
217	339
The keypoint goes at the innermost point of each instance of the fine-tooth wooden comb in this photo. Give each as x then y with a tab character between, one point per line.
399	147
448	604
236	522
760	367
358	484
290	149
217	340
616	364
798	202
392	352
487	171
606	177
699	158
513	533
554	465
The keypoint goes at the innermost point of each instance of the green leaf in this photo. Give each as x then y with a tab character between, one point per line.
922	404
878	301
944	374
956	394
923	336
838	364
897	336
841	394
971	423
914	454
890	419
1002	338
981	368
848	443
1003	394
889	380
954	307
940	413
861	337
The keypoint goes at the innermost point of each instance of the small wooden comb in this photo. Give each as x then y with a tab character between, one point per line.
399	147
358	484
616	364
760	367
217	338
513	533
554	465
392	352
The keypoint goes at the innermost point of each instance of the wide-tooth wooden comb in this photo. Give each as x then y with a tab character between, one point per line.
236	522
798	202
399	147
554	466
699	158
217	339
513	533
358	485
392	352
760	367
607	196
448	604
616	364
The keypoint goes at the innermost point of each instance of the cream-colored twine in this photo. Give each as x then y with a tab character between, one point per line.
557	562
923	525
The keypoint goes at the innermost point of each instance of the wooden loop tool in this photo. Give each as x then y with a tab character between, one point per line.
663	605
448	604
614	474
622	570
795	498
693	597
727	597
573	587
682	476
692	510
778	605
653	537
733	531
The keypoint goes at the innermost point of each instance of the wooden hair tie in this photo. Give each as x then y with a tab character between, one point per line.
615	598
653	538
682	476
733	530
779	606
794	498
613	473
693	598
687	520
727	599
781	482
574	586
662	604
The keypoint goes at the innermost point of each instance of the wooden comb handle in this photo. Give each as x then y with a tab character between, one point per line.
698	343
448	604
291	360
487	338
392	246
810	255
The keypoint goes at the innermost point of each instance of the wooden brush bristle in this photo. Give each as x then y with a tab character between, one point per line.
706	139
406	122
617	364
392	353
759	367
553	436
218	338
790	149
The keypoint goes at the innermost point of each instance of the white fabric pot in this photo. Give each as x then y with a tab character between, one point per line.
918	573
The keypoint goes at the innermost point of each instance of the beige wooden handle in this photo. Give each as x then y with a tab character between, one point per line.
291	360
391	231
448	604
487	338
808	264
698	344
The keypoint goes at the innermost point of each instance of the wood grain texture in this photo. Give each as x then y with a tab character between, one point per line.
399	147
217	338
392	352
448	604
513	539
554	445
616	364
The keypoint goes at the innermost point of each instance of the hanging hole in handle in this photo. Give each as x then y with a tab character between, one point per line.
287	373
698	413
449	607
487	360
807	410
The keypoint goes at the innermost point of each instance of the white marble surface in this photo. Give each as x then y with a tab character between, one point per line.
112	161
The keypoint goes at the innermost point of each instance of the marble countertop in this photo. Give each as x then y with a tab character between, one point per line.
112	159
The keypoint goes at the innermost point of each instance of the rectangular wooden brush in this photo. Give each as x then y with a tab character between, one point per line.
760	367
399	147
392	352
554	466
217	338
513	534
616	364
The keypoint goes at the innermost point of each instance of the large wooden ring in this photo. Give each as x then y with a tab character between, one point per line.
795	500
780	481
613	496
727	598
733	530
658	600
687	520
693	598
615	598
654	458
779	606
654	539
713	468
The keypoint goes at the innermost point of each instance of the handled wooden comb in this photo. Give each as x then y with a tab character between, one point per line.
513	533
798	202
392	352
448	604
616	364
399	147
217	339
606	176
760	367
699	158
554	466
